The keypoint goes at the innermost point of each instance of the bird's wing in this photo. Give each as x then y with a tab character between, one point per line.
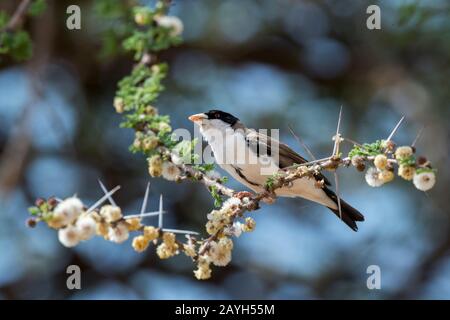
259	142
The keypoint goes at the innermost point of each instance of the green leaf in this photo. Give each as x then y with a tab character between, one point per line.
271	181
224	179
422	170
408	161
4	18
17	45
216	196
34	211
37	7
367	149
205	167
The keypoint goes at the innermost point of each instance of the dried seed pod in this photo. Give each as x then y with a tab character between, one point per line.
31	223
388	145
39	202
421	161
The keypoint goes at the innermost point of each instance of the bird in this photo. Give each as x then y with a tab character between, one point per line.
250	157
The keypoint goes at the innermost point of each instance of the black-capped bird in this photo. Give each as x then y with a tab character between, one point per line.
251	157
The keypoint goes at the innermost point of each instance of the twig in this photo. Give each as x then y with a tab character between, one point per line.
306	163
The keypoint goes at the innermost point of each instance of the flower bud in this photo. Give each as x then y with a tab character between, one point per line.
380	161
406	172
403	152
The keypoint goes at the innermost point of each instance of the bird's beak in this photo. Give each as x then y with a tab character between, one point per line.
197	117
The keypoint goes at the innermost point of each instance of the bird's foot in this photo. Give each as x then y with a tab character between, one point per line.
242	194
268	200
269	197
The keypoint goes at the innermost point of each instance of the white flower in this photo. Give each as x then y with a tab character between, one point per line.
204	271
403	152
236	229
170	171
172	23
424	181
220	253
68	210
215	215
380	161
231	203
119	233
111	213
69	236
86	227
189	249
373	177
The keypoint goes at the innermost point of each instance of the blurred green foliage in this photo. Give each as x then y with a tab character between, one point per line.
14	41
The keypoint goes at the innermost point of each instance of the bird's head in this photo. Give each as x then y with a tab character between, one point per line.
214	119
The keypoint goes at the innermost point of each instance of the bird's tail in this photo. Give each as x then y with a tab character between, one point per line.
349	214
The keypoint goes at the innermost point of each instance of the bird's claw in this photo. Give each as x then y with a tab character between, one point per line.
242	194
268	200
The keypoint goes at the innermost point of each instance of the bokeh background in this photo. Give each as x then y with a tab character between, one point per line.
272	63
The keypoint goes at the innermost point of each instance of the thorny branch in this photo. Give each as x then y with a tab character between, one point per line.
137	92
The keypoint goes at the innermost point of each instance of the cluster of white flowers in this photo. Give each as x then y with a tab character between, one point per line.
74	224
66	212
169	247
66	218
221	225
409	168
203	270
219	219
220	252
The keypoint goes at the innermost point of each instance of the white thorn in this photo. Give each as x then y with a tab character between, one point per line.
160	220
144	203
302	143
419	134
395	128
337	138
144	215
111	200
102	199
180	231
